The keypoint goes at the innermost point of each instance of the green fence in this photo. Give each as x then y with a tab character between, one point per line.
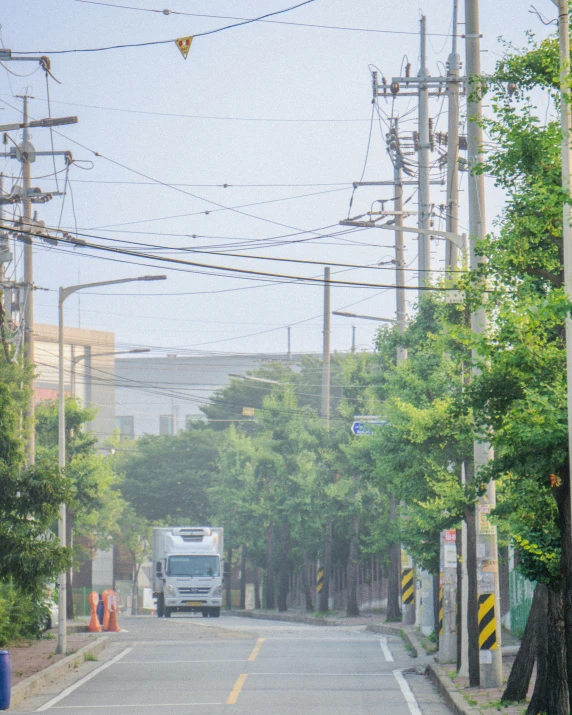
521	592
81	601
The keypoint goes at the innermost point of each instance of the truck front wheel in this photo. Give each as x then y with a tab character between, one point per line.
160	605
215	612
167	612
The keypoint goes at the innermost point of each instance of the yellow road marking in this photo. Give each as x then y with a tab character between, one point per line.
235	692
256	650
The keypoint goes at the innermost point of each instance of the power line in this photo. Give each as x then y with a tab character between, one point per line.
274	22
304	280
176	115
164	42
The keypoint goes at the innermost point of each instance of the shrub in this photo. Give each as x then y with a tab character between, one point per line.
22	615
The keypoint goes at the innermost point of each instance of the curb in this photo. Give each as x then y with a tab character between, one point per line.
29	686
449	691
292	618
400	633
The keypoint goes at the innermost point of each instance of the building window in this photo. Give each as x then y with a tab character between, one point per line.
166	424
126	426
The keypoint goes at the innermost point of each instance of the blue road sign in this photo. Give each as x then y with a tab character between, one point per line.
363	428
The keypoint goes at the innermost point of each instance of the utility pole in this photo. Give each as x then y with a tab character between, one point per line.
289	344
353	338
423	152
26	154
490	655
324	594
448	632
326	350
451	251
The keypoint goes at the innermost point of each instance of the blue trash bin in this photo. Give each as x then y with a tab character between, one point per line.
5	675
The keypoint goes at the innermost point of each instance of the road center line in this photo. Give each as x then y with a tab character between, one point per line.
385	650
407	694
235	692
82	681
255	650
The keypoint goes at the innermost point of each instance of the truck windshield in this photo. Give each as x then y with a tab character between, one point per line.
193	566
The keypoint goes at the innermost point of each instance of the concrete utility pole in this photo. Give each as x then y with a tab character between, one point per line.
490	655
400	301
26	154
326	350
324	594
452	224
423	153
448	549
289	344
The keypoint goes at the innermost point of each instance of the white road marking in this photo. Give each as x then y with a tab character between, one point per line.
139	705
162	662
407	694
385	650
82	681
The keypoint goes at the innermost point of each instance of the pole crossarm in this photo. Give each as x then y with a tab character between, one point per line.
48	122
460	240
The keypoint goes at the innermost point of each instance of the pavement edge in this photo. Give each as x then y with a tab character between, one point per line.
447	689
30	686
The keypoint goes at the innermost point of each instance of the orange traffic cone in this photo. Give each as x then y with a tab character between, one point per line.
94	625
112	626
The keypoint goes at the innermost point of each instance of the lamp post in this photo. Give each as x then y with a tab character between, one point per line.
65	293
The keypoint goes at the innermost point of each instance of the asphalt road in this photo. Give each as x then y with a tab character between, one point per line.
238	667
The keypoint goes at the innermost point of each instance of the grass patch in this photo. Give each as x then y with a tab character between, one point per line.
408	647
89	656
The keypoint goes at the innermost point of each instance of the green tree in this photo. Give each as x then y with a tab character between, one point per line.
168	478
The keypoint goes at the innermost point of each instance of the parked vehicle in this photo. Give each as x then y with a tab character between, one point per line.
188	569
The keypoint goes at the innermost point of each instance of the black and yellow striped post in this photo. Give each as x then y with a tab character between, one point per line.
407	587
320	580
487	622
441	612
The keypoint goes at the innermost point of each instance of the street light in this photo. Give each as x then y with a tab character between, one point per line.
363	317
65	293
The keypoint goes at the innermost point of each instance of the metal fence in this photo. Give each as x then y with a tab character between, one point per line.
521	592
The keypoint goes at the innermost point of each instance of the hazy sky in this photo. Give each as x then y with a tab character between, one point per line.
248	100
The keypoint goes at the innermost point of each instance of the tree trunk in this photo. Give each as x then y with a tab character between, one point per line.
270	586
227	583
135	590
521	671
69	574
324	597
459	542
550	691
472	601
306	581
436	593
562	495
243	577
394	575
283	573
353	566
257	601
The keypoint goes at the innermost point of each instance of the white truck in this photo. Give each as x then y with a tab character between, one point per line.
188	568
